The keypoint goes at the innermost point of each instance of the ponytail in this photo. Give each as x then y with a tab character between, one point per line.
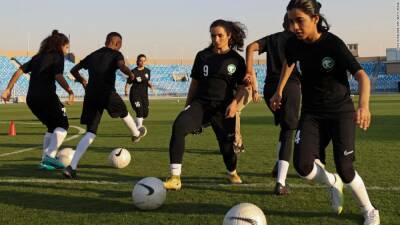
54	43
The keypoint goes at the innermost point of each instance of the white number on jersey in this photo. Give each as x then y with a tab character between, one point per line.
297	138
205	70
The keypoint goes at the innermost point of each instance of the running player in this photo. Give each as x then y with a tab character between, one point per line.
46	67
288	115
218	71
101	94
327	111
138	94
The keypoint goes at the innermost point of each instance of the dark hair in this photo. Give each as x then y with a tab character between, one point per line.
140	56
237	31
286	22
53	43
311	8
111	35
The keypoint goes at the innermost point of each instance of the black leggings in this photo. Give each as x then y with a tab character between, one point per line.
196	114
315	133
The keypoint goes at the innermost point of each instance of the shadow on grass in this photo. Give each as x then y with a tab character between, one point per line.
94	205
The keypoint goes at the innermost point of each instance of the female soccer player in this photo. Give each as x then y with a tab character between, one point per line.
287	116
138	94
217	73
45	68
327	111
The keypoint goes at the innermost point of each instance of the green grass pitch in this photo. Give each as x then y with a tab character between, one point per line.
30	196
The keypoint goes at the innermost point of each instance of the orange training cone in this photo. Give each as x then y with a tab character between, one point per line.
11	130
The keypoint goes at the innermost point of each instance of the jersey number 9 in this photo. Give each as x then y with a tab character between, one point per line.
205	70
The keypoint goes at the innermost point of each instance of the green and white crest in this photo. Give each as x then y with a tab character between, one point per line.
328	63
231	69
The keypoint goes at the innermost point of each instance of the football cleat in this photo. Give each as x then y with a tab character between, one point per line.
43	166
173	183
281	190
336	195
372	217
69	172
142	133
234	178
49	161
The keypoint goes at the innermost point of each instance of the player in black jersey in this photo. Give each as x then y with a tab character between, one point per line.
100	95
216	87
138	94
327	111
45	68
288	115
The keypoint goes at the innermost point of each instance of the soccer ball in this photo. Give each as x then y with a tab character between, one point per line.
244	214
65	156
119	158
149	193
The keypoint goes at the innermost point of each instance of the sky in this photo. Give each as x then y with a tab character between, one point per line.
177	29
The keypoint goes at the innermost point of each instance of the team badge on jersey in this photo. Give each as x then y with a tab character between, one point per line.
328	63
139	79
147	76
231	69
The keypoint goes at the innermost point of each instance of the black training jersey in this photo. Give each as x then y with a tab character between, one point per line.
141	81
323	67
218	74
274	46
102	65
43	68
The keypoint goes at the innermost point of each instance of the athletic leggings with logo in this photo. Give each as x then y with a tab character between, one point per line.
192	117
314	134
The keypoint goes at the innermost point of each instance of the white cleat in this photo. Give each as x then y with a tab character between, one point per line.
372	217
336	195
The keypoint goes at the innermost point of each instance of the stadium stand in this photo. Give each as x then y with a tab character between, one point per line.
163	79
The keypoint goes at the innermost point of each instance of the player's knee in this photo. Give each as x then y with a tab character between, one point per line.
346	172
120	115
179	127
65	125
303	168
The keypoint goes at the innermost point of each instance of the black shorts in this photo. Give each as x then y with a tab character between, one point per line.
314	134
140	104
288	115
93	110
51	112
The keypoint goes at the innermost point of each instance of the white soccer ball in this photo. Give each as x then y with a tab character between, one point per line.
245	214
119	158
149	193
65	156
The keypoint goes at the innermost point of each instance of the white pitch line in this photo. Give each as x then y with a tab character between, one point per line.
80	132
187	184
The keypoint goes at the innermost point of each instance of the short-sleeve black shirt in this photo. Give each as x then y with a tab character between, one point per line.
323	66
43	68
274	46
102	65
141	81
218	74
